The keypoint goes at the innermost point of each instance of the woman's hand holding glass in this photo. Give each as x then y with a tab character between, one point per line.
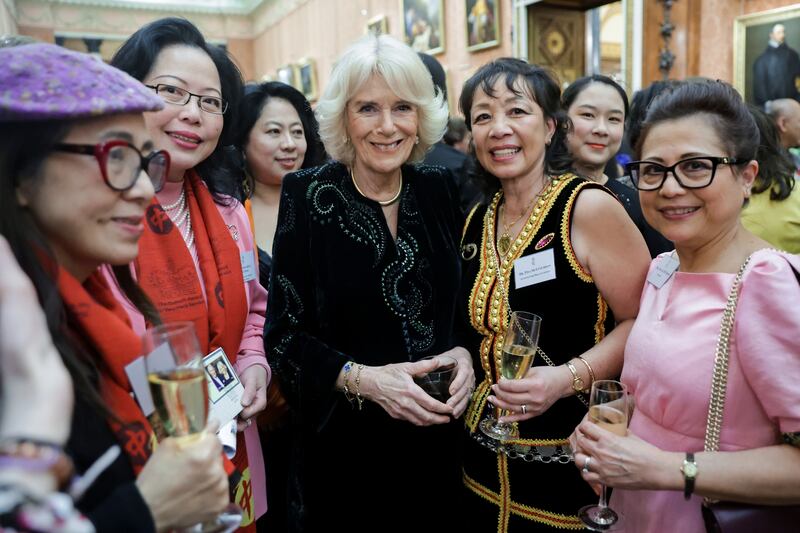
464	381
541	387
393	388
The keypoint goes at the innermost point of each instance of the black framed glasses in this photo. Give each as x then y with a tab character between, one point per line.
178	96
121	162
690	173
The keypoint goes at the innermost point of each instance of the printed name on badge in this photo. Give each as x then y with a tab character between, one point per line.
663	270
248	265
534	268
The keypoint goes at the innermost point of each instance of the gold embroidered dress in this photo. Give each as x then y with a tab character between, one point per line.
531	486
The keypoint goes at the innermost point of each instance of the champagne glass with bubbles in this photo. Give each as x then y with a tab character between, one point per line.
180	395
519	349
608	408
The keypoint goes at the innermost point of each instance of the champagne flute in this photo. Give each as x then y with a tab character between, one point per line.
519	349
178	385
608	408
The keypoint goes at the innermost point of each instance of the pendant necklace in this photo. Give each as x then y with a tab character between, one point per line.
504	242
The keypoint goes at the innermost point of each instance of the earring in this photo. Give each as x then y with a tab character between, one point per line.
416	140
346	139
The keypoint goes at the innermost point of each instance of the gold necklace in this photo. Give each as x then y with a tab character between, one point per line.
504	242
383	203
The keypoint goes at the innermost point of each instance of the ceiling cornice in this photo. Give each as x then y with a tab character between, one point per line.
226	7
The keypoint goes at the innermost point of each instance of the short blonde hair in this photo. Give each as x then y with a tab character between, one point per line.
404	73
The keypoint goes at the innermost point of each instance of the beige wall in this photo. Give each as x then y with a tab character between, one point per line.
8	23
322	29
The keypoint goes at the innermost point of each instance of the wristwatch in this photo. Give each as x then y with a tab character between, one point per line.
577	382
689	470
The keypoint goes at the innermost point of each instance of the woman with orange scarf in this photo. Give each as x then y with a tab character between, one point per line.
197	259
78	170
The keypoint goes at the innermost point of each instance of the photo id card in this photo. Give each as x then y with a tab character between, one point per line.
225	391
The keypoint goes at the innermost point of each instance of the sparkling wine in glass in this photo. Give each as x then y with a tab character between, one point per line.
518	352
608	408
180	395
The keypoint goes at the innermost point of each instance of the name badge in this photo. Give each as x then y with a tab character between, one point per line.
663	270
248	266
534	268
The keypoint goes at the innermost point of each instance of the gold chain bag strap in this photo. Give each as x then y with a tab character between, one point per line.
732	517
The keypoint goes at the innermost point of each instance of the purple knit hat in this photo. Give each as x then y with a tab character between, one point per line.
48	82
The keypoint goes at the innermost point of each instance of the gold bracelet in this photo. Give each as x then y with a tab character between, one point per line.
358	386
577	382
589	368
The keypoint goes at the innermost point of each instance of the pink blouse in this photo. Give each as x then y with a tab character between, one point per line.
669	359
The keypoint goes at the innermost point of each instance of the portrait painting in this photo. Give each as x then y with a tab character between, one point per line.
483	24
378	25
423	25
288	75
307	70
767	55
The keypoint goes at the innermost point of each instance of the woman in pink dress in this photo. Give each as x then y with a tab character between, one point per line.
697	152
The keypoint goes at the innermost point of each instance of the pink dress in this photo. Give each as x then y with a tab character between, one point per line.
669	361
251	350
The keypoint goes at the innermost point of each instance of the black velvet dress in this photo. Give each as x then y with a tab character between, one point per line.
342	289
543	493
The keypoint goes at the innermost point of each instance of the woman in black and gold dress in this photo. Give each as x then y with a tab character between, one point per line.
558	243
365	277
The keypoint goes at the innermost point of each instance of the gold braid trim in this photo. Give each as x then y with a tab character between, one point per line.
485	295
566	220
505	493
602	313
536	442
557	520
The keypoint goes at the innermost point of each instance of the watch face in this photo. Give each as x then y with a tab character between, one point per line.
689	469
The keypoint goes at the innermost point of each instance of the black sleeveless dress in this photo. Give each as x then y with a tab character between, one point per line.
534	487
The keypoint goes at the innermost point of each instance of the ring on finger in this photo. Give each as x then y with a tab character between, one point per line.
524	409
586	462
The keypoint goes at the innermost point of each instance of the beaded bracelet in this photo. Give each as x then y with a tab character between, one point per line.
358	387
348	366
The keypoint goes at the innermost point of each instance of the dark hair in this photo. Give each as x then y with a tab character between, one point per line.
137	55
775	165
437	72
456	131
722	108
24	148
577	87
256	96
544	90
638	109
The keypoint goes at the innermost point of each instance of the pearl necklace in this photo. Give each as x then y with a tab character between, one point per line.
182	218
383	203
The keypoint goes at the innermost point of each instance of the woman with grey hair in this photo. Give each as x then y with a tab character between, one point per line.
364	282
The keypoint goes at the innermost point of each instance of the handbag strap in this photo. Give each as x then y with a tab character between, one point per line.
719	381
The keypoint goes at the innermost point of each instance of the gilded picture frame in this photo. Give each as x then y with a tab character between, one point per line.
307	78
750	42
287	74
423	25
378	25
482	23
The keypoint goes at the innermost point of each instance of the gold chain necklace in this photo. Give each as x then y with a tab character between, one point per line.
383	203
504	242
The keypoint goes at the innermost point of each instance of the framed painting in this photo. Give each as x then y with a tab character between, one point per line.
287	74
307	70
766	64
423	25
483	24
378	25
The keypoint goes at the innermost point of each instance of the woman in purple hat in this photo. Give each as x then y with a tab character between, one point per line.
197	259
78	170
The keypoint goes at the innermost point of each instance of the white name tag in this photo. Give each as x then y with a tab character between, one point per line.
534	268
248	266
663	270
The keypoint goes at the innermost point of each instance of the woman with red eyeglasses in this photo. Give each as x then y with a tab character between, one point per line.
78	170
